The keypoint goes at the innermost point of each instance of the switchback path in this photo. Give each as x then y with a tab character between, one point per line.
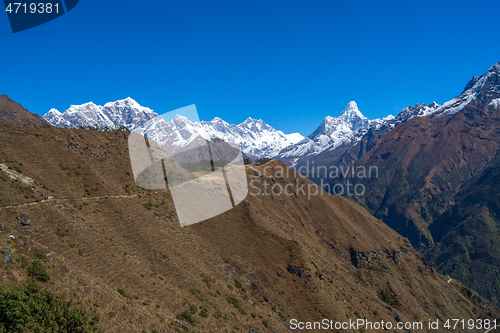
54	199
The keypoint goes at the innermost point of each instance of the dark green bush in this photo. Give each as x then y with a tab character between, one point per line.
388	297
31	309
262	161
38	271
236	303
207	282
187	317
124	293
194	291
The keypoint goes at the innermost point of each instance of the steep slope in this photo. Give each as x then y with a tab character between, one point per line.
255	137
424	162
118	251
467	235
14	114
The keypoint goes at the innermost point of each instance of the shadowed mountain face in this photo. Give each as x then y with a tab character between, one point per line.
427	166
13	113
467	235
110	246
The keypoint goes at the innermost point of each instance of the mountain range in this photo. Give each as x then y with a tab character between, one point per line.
68	199
74	222
434	162
256	138
435	183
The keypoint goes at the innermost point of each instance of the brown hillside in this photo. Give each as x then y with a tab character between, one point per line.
13	113
295	257
422	164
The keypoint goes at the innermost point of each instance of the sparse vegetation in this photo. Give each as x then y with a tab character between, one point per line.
207	281
236	303
374	268
262	161
124	293
187	317
389	297
194	291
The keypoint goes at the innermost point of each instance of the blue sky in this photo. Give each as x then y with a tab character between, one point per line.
290	63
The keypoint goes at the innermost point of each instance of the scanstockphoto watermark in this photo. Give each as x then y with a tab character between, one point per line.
453	324
334	180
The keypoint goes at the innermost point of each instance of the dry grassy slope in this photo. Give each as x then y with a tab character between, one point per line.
13	113
101	233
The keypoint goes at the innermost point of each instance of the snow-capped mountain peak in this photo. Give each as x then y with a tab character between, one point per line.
255	137
332	133
54	112
218	120
352	111
484	88
417	110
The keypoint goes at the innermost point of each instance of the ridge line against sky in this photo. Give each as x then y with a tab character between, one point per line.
289	63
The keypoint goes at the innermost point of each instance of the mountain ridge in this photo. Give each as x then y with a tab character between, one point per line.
255	137
423	189
14	113
112	247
